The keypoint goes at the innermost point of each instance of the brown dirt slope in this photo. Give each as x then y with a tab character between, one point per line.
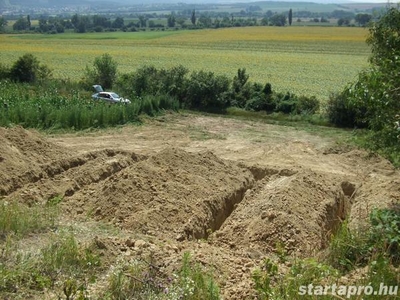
229	191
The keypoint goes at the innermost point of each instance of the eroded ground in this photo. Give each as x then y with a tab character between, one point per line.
227	190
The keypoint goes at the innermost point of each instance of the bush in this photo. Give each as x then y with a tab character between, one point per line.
286	103
207	91
342	113
4	72
28	69
307	105
104	72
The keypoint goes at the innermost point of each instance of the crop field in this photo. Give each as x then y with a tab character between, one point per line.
304	60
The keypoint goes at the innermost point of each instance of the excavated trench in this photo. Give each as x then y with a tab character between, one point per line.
331	211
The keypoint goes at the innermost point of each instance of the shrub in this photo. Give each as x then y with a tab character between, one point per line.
285	103
342	113
4	72
307	105
207	91
28	69
104	72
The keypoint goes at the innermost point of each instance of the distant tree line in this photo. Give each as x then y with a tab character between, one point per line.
183	19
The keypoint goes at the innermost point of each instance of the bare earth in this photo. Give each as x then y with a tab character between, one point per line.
229	191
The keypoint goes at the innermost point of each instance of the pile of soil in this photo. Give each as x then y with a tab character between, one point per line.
230	214
291	211
21	154
181	194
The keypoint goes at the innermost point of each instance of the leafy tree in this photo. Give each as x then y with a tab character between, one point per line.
181	22
171	20
21	24
3	23
205	21
142	21
363	19
75	20
343	21
278	20
241	92
28	69
207	91
43	27
193	17
264	21
290	17
118	23
377	89
104	71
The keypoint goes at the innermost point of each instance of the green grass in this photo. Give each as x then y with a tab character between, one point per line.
20	220
373	250
51	109
302	60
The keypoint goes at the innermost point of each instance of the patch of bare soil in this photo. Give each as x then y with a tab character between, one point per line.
231	192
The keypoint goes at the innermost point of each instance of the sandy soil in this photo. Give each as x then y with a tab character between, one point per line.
229	191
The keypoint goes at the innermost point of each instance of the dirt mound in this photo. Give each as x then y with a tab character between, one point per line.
294	210
21	154
174	192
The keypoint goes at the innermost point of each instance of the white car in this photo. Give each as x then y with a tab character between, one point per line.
110	97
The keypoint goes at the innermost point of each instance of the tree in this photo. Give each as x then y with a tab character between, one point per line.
205	21
3	23
377	89
193	17
43	27
171	20
28	18
278	20
142	21
181	22
118	23
290	17
363	19
343	21
28	69
104	71
21	24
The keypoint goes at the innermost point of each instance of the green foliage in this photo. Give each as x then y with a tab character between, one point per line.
104	72
278	20
350	249
139	279
385	232
207	91
19	220
307	105
28	69
192	283
343	113
374	99
263	279
63	260
149	80
4	72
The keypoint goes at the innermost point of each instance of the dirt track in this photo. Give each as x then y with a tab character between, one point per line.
229	191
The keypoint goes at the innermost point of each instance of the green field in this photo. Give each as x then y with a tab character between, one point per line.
304	60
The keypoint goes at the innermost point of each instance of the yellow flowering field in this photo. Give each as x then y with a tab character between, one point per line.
305	60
